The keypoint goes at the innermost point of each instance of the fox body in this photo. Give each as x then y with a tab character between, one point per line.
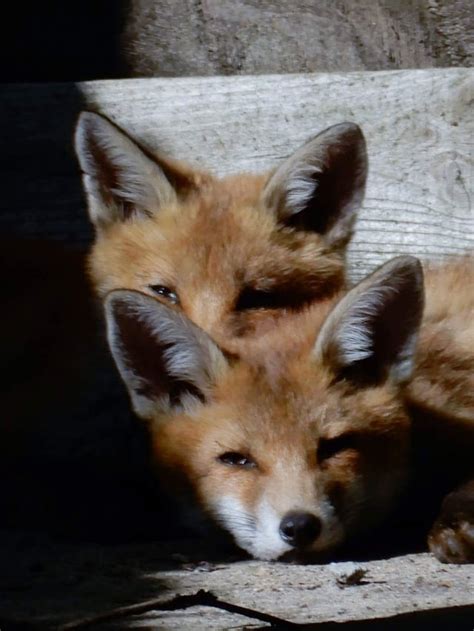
306	440
233	254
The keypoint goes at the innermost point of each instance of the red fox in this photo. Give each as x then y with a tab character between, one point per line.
234	253
307	439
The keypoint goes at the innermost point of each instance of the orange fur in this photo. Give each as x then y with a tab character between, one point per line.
208	248
280	424
444	379
282	407
441	398
237	253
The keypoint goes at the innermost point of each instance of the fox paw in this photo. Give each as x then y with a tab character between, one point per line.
453	544
451	539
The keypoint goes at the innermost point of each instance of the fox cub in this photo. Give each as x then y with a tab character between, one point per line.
233	254
309	440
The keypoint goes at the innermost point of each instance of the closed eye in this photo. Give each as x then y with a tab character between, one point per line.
255	299
285	298
330	447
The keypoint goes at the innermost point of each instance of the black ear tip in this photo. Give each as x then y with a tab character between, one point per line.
120	299
410	270
349	138
117	299
87	118
89	122
86	126
349	131
409	263
349	127
131	301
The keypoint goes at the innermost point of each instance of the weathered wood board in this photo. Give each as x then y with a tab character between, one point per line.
207	37
92	40
419	125
57	583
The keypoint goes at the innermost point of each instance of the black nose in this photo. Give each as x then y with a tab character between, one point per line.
300	529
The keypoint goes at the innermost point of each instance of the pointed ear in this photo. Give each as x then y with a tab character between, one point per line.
120	179
321	186
371	333
166	362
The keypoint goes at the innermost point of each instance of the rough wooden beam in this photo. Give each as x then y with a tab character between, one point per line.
419	127
207	37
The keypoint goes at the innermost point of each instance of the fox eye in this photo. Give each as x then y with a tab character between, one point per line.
329	447
236	459
165	292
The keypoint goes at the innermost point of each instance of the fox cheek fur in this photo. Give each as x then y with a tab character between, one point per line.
340	495
285	453
249	502
234	253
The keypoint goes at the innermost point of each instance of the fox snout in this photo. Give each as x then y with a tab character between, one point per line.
299	529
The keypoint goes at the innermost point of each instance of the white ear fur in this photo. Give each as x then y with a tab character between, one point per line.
321	186
117	174
377	321
300	186
165	360
354	339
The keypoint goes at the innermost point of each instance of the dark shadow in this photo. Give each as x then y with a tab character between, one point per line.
54	582
39	175
73	459
61	41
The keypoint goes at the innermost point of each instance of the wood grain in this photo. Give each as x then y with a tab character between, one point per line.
215	37
419	126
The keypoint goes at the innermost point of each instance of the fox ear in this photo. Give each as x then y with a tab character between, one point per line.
371	334
120	179
166	362
321	186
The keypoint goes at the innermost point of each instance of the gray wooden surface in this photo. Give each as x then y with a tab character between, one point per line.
58	582
209	37
419	126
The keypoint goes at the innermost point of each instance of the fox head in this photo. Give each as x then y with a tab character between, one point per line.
299	446
231	253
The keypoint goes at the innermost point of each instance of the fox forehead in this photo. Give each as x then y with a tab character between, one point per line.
222	233
281	416
303	400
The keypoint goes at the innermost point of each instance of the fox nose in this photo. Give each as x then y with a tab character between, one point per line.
299	529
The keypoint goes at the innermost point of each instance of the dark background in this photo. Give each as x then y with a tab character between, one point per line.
61	41
73	460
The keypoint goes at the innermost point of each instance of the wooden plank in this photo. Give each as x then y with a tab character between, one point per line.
419	127
215	37
207	37
59	582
